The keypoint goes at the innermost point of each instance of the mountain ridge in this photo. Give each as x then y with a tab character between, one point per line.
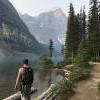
14	34
47	25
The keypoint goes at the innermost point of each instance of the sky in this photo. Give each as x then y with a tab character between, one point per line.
35	7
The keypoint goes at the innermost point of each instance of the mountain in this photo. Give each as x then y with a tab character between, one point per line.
14	34
49	25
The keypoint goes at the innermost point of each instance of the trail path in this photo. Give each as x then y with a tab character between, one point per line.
87	90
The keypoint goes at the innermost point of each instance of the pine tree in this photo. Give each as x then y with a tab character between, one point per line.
93	30
83	55
82	25
62	50
66	50
72	39
80	16
50	48
93	17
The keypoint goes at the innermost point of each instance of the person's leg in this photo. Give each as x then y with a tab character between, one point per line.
26	92
28	97
28	89
25	97
22	97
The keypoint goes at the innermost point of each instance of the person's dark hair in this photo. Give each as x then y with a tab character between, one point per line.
26	61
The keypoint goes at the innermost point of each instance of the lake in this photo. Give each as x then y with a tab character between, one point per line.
8	71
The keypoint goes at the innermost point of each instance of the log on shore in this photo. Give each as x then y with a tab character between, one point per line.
45	94
17	96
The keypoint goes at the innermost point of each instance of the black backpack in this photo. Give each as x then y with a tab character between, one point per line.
27	77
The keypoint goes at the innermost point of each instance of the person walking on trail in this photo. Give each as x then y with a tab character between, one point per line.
24	80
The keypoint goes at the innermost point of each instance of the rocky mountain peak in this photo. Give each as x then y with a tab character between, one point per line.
58	12
48	25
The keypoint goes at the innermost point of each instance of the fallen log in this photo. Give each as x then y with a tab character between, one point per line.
45	94
17	96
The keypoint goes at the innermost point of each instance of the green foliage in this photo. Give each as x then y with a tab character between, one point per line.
46	62
94	30
50	48
80	47
61	64
48	65
62	49
80	73
83	55
81	69
64	90
43	59
82	25
98	86
93	17
70	60
76	31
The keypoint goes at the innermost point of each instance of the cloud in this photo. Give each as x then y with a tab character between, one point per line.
34	7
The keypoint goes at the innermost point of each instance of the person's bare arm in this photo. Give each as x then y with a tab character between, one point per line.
18	78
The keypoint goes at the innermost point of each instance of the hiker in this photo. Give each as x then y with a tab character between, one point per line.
24	80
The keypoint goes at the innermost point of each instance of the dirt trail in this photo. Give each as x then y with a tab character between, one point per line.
87	90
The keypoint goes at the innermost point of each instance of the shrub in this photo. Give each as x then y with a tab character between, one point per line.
46	62
64	90
98	86
61	64
79	73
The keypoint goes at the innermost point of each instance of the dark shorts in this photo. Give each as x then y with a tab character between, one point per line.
25	90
